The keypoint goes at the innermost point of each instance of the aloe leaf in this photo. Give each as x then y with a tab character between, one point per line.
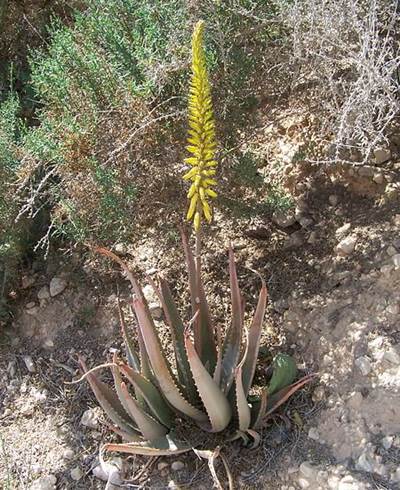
177	331
285	371
118	385
254	336
233	339
214	401
258	410
160	365
165	446
203	330
150	394
150	428
127	437
109	402
242	406
284	394
133	359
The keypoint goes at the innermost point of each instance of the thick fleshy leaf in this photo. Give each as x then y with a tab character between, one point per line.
131	355
242	406
160	365
254	336
285	371
215	402
258	410
165	446
109	402
233	339
150	394
177	331
118	386
283	395
125	436
204	340
150	428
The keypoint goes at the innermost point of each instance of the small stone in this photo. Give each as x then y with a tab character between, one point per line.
156	311
387	442
366	171
27	282
391	251
108	472
308	470
364	463
319	394
392	356
333	199
90	418
355	400
386	270
363	364
12	368
173	485
121	248
177	465
162	466
303	483
378	178
68	454
382	155
312	238
30	305
48	344
30	365
43	293
346	246
284	219
33	311
313	434
343	229
396	261
57	286
44	483
294	240
306	222
76	473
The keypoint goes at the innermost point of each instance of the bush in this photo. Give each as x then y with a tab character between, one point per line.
349	50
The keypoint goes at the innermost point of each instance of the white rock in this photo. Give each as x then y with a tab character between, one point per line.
378	178
121	248
76	473
346	246
44	483
303	483
363	364
30	365
57	286
343	229
382	155
391	251
396	261
313	434
173	485
391	355
333	199
90	418
43	293
284	219
308	470
68	454
364	463
387	442
177	465
110	471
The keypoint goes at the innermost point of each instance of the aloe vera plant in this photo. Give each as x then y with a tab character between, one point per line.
209	380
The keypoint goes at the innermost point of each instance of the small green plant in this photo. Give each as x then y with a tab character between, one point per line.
209	381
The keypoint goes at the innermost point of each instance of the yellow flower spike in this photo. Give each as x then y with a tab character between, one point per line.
201	135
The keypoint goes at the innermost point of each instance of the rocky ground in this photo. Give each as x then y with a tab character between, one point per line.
332	263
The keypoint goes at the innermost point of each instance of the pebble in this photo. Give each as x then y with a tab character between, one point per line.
333	199
382	155
162	466
355	401
76	473
30	365
392	356
363	364
44	483
343	229
57	286
177	465
121	248
30	305
108	472
68	454
364	463
156	311
346	246
378	178
284	219
387	442
43	293
303	483
391	251
313	434
396	261
90	418
308	470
